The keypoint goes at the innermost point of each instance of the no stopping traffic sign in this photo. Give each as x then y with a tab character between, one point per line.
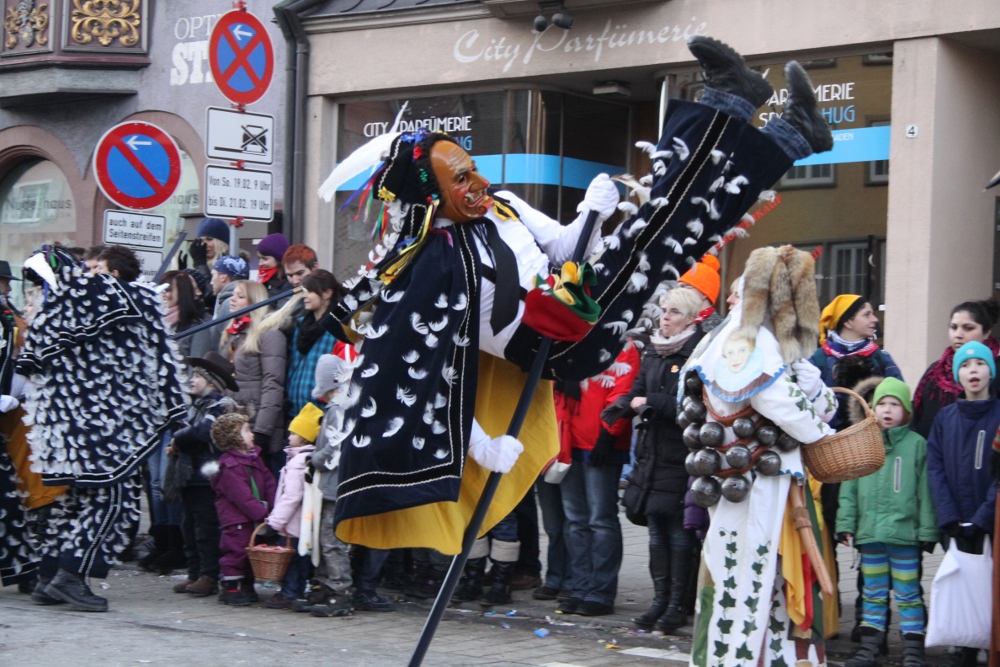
137	165
241	57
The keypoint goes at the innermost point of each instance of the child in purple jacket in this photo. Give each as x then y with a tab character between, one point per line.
244	493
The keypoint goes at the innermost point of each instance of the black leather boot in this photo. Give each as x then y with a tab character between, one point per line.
39	596
802	111
659	571
72	589
680	570
499	592
725	71
470	587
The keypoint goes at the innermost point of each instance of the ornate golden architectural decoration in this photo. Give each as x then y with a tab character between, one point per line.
26	24
107	20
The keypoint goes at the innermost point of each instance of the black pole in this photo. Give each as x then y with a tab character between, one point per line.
170	256
238	313
479	514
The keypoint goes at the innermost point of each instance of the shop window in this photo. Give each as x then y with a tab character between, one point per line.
810	176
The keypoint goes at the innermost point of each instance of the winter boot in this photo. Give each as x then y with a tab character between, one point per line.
868	654
173	558
659	571
427	581
913	650
964	657
802	111
317	593
471	585
203	587
725	71
334	604
232	593
680	570
160	546
39	596
499	592
247	586
72	589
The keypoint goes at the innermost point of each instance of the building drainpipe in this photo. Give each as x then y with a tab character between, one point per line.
288	14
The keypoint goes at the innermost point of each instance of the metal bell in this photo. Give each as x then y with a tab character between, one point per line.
787	443
682	420
690	437
696	410
769	464
738	457
735	488
706	491
693	383
685	402
767	435
744	428
705	462
689	464
711	434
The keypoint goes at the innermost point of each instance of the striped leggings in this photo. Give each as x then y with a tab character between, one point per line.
879	562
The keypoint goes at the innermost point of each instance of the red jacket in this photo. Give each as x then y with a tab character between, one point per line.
580	420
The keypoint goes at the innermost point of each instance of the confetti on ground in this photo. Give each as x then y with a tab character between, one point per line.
512	612
542	632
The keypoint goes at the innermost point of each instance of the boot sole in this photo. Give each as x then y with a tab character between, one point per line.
802	82
45	600
56	594
760	89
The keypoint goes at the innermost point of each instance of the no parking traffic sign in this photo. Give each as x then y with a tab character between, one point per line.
241	57
137	165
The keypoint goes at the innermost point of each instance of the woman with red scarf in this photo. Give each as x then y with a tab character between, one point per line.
259	357
270	272
970	321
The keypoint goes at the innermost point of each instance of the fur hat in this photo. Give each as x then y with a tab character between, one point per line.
865	389
779	283
226	432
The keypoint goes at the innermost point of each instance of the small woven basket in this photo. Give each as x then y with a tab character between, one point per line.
269	563
853	452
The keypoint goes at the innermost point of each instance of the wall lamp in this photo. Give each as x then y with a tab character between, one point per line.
560	18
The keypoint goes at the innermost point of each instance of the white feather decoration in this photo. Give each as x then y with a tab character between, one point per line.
361	160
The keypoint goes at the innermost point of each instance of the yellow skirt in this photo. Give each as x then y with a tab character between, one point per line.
441	525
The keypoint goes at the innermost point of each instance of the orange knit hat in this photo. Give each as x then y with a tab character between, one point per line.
704	277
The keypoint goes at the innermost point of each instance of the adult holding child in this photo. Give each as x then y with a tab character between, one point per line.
969	321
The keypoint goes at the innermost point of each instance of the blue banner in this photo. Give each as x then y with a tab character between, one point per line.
865	144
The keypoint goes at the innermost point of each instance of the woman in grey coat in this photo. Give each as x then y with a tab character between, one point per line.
259	354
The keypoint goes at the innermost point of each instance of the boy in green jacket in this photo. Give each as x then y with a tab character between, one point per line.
890	517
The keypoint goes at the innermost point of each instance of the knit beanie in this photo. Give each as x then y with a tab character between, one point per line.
973	350
332	372
834	311
226	431
273	245
235	267
704	277
204	282
306	423
215	228
895	388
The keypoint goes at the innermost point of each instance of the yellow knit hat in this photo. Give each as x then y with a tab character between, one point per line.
306	423
704	277
834	310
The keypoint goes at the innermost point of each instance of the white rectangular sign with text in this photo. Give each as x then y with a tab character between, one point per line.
238	193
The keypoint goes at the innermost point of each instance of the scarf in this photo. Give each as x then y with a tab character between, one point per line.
940	382
170	317
310	330
704	315
263	275
837	347
666	347
239	325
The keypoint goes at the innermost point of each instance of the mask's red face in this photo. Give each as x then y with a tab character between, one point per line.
463	189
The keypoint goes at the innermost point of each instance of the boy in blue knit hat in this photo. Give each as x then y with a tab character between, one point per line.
958	450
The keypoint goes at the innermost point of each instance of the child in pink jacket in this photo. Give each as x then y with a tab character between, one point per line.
287	513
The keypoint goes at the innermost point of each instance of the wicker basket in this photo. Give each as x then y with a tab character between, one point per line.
270	563
853	452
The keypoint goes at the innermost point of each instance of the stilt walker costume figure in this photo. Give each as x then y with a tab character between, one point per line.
751	386
447	332
106	383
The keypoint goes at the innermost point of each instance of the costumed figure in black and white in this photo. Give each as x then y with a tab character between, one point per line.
750	399
460	291
105	384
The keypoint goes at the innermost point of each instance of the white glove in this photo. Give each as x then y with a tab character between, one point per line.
8	403
602	196
808	377
497	454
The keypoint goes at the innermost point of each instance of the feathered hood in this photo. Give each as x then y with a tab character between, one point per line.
779	284
865	389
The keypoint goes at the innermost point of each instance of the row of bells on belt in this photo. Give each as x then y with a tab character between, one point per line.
705	461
